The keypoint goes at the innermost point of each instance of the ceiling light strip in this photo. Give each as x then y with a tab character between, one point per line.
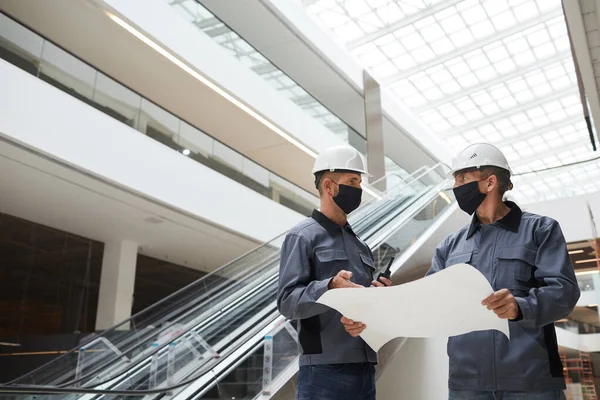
208	83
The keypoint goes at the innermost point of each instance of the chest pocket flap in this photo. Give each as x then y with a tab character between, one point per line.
331	255
367	260
515	267
463	258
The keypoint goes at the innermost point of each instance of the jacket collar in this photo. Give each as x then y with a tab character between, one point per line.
328	224
511	221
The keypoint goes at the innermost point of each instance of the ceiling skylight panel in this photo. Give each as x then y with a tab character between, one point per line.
452	24
333	17
557	27
415	101
557	116
413	41
448	111
562	43
518	118
487	129
465	104
535	78
433	94
482	29
369	23
373	57
422	54
385	69
456	141
499	91
481	98
462	38
474	14
504	20
349	31
404	86
561	83
390	13
502	124
432	32
473	115
442	46
555	71
404	62
523	97
458	67
356	8
422	81
526	11
544	51
392	49
494	7
517	45
524	59
487	73
540	122
489	109
431	116
538	37
477	60
526	152
472	136
496	52
525	127
451	87
441	126
439	75
468	81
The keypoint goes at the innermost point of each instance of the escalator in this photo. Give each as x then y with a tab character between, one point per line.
221	336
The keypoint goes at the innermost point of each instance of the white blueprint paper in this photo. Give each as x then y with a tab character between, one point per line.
447	303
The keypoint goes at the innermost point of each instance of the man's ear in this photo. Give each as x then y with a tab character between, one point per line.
492	182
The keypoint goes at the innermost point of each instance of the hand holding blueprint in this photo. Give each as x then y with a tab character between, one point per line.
447	303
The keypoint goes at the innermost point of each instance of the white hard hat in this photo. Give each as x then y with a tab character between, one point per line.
479	155
340	158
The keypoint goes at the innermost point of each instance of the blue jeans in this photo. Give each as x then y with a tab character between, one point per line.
336	382
473	395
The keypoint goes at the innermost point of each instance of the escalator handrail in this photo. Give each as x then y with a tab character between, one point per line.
39	389
415	176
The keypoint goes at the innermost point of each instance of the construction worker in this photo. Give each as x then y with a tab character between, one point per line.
323	253
524	257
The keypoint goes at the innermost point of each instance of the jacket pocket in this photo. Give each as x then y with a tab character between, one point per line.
330	262
515	270
463	258
367	261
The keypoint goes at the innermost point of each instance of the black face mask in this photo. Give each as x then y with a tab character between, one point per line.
348	198
469	197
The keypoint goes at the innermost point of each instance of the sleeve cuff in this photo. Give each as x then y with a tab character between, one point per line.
525	312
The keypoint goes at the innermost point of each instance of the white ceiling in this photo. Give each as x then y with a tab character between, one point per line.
498	71
35	188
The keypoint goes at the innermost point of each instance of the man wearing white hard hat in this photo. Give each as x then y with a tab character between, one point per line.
323	253
524	256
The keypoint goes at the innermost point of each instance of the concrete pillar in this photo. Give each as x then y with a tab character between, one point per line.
117	282
374	129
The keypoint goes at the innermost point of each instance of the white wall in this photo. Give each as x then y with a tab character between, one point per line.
39	116
419	371
572	214
570	340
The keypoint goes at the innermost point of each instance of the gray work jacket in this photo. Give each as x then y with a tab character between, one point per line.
313	252
527	254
